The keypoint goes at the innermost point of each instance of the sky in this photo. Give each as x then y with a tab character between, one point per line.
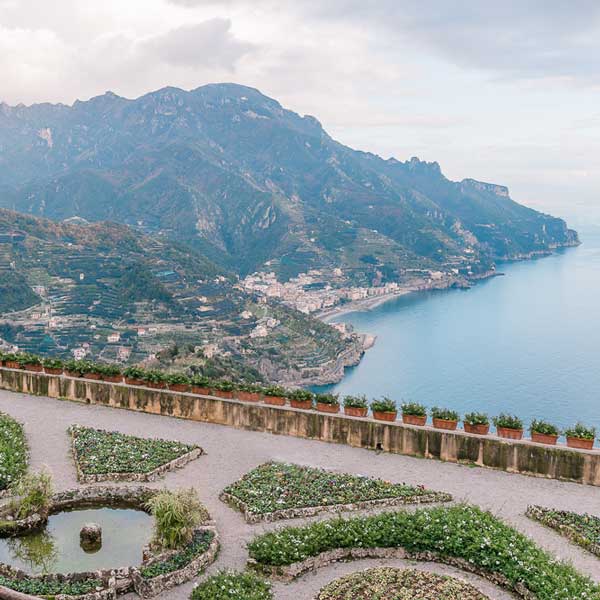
506	92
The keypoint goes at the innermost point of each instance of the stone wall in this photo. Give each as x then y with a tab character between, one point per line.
453	446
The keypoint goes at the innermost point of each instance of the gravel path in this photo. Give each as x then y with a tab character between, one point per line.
230	453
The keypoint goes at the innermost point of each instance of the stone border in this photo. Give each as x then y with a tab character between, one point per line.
541	515
176	463
148	588
289	573
311	511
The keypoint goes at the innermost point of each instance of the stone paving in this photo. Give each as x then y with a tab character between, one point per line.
230	453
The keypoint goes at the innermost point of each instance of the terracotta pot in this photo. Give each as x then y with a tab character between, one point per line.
200	391
95	376
355	411
248	396
510	434
223	394
12	364
275	400
414	420
34	368
72	374
544	438
328	408
160	385
134	381
481	429
302	404
53	371
179	387
444	424
112	378
385	416
573	442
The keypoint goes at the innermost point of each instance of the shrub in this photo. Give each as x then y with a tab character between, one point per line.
177	514
77	366
538	426
134	373
301	395
414	408
474	418
13	452
200	381
34	494
275	391
53	363
356	402
228	585
384	405
25	358
508	421
224	385
444	414
464	532
178	379
109	370
331	399
155	376
581	431
251	388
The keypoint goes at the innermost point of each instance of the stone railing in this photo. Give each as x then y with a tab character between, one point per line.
523	456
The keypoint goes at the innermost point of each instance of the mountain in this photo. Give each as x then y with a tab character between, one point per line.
253	186
119	295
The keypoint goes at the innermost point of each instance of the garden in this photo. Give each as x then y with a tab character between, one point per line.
13	452
102	455
463	535
281	490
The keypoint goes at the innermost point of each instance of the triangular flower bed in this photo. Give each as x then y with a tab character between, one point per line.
109	455
276	491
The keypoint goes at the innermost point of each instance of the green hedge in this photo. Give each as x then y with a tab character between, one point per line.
233	586
464	532
13	452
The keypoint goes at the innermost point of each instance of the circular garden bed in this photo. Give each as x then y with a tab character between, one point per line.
387	583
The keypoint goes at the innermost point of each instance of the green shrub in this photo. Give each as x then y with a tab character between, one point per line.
275	391
228	585
538	426
414	408
155	376
53	363
301	395
464	532
25	358
356	402
474	418
177	514
13	452
178	379
34	494
384	405
134	373
224	385
444	414
200	381
508	421
581	431
331	399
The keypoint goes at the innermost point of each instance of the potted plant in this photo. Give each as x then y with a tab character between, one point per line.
249	392
200	385
327	403
223	389
414	413
155	379
356	406
509	426
74	368
302	399
110	373
30	362
178	382
581	437
10	361
275	395
477	423
92	370
384	409
444	418
134	375
53	366
543	432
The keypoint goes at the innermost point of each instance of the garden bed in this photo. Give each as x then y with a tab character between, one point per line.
54	589
167	570
583	530
233	586
13	453
109	455
461	536
275	491
387	582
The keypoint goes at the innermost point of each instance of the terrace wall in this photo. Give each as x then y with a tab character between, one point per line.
490	451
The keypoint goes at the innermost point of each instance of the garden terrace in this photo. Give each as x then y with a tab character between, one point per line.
13	452
109	455
283	491
387	582
584	530
462	535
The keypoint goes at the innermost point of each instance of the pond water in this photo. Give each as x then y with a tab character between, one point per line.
56	548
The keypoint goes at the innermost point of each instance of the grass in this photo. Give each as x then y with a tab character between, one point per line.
388	583
229	585
99	452
13	452
463	532
276	486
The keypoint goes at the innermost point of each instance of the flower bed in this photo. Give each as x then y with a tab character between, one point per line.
13	452
584	529
388	582
71	589
464	536
103	455
233	586
276	491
